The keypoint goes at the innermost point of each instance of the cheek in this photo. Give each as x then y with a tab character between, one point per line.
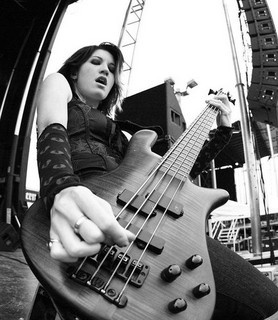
111	83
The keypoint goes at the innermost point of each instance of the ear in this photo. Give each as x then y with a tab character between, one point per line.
74	76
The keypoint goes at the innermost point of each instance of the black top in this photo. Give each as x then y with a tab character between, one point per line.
98	144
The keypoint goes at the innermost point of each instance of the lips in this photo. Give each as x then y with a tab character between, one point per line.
102	80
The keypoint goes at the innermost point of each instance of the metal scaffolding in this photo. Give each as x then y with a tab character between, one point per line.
128	36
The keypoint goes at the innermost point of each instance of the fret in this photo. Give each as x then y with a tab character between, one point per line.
179	160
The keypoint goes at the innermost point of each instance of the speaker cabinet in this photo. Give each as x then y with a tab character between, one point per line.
258	14
157	106
261	27
9	238
262	94
266	75
263	101
268	58
248	4
264	42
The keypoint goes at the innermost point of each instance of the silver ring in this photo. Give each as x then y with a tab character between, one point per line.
50	243
78	223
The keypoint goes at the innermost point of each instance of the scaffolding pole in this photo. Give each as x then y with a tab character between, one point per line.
128	37
248	147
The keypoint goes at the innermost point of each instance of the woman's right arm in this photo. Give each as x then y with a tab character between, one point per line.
54	95
66	198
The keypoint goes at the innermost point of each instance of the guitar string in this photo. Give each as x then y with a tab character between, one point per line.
159	165
162	217
136	213
150	239
134	269
155	170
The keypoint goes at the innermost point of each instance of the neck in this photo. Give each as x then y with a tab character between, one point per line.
92	104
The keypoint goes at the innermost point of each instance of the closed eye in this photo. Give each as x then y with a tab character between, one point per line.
112	68
98	61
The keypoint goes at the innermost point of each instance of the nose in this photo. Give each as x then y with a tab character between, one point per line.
104	69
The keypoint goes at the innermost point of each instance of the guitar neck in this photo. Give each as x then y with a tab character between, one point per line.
181	157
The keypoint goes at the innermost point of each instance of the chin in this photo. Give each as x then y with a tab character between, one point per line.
99	96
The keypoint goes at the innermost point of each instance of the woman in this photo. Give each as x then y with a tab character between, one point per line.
77	136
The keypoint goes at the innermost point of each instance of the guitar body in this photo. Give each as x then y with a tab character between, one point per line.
184	236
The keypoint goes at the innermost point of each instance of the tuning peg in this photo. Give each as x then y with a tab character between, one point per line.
220	90
233	101
212	92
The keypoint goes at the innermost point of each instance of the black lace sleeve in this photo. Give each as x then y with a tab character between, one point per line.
210	149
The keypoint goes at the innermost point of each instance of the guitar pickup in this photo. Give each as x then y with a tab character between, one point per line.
156	245
146	209
174	208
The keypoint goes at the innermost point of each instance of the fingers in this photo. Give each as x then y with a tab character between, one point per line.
58	252
100	212
66	246
80	222
222	103
90	232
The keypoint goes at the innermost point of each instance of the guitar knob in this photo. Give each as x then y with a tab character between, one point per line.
177	305
201	290
170	273
194	261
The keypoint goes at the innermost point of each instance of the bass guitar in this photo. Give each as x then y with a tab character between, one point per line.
166	272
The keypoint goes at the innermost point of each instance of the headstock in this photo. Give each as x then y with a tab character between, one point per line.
221	91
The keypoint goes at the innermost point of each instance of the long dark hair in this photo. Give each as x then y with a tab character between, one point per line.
74	62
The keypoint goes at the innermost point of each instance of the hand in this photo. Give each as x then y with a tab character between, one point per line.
225	112
98	225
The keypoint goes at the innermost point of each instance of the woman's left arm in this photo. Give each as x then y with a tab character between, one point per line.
221	137
224	117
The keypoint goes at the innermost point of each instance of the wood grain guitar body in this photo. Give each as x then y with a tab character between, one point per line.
171	228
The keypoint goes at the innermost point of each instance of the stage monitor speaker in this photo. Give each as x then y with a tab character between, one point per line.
248	4
9	238
261	27
264	42
268	58
258	14
263	102
157	106
226	180
267	76
262	93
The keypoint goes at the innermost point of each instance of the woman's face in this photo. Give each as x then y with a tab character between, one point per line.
95	77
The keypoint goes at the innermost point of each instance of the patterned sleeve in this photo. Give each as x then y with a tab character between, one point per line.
210	149
54	163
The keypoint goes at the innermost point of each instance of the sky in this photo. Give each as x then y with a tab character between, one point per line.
177	38
180	39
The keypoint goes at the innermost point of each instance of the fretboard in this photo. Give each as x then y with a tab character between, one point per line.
180	158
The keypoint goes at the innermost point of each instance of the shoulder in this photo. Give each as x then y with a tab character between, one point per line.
58	84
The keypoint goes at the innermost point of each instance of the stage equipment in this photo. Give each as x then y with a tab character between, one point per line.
9	238
28	29
249	153
128	37
190	84
263	90
269	271
156	106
